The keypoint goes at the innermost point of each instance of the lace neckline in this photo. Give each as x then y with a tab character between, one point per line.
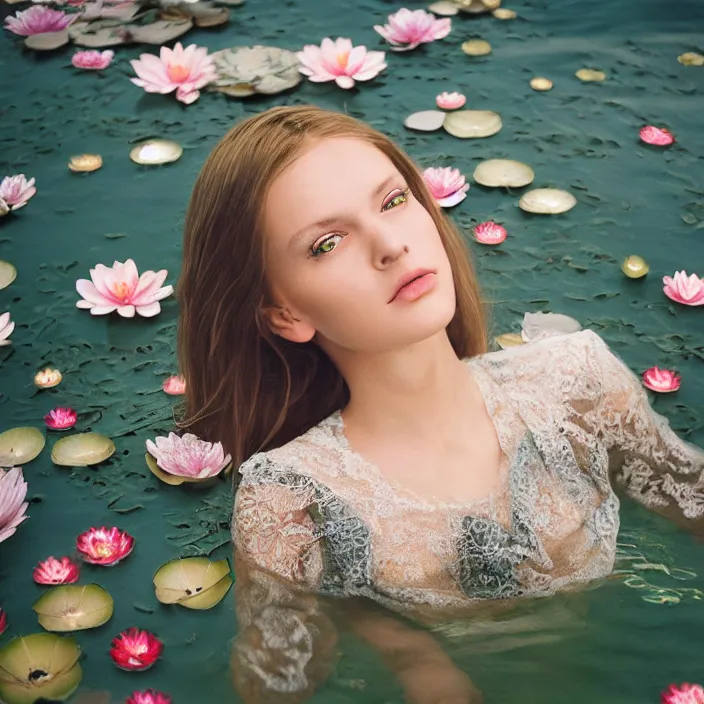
496	407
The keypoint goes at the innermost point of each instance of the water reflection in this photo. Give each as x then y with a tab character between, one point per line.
288	641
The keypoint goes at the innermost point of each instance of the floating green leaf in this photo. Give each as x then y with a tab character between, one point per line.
39	666
193	582
74	607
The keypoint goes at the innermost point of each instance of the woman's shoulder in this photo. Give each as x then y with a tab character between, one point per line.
560	363
570	347
302	457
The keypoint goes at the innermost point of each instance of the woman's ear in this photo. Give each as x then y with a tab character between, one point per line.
283	323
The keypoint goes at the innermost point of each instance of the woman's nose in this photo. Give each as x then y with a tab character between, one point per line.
388	246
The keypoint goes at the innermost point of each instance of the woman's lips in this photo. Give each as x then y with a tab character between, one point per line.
413	290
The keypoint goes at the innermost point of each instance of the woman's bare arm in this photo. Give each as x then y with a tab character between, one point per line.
425	672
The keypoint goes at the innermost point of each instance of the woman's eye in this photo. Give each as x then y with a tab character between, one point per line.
398	199
324	246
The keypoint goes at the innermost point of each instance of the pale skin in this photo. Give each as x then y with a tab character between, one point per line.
413	403
338	240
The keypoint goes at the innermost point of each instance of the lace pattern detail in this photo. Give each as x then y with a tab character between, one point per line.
566	409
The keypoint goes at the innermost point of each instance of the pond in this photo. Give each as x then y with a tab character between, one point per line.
623	641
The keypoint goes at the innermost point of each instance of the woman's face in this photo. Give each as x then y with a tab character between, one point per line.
343	232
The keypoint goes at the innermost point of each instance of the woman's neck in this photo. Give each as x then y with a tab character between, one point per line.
422	388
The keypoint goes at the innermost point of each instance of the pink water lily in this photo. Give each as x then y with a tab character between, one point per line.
339	61
13	490
661	380
6	328
407	29
490	233
684	694
450	101
657	136
188	456
185	71
3	621
174	386
53	571
104	546
135	650
688	290
15	191
120	288
446	184
39	19
149	696
61	419
92	60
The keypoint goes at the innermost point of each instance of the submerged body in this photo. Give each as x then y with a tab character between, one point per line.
572	422
333	337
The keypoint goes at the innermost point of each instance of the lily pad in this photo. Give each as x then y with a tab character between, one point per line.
425	120
541	83
159	32
214	18
82	450
74	608
156	151
472	124
20	445
210	598
177	480
8	274
691	58
503	173
193	582
47	41
509	339
99	34
476	47
476	7
85	163
547	201
203	12
236	90
444	8
589	75
537	326
635	267
247	70
100	10
39	666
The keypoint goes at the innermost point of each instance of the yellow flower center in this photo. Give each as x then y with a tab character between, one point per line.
342	59
122	290
104	550
178	73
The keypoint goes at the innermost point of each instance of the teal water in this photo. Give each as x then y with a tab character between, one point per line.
607	645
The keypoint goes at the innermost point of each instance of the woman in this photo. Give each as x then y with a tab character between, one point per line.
333	338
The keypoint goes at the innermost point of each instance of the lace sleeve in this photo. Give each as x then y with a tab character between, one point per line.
284	648
656	467
272	523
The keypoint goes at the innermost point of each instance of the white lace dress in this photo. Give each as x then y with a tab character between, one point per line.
572	421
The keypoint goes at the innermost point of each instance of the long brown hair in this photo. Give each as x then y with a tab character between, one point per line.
245	386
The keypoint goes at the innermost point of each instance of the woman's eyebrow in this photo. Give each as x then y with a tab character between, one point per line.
319	225
385	184
330	221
